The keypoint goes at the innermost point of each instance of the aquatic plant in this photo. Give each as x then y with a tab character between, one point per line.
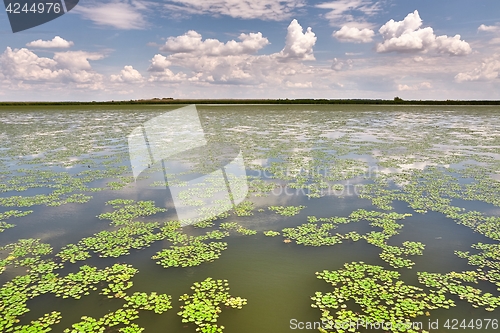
271	233
158	303
244	208
298	151
126	210
316	232
259	187
236	227
203	224
286	210
454	283
73	253
488	257
379	293
312	234
40	325
203	306
11	213
132	235
4	226
42	279
118	317
190	255
25	252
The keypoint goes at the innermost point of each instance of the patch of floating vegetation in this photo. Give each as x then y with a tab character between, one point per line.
11	213
158	303
115	318
194	254
204	305
41	325
204	224
133	235
488	257
454	283
25	253
129	235
316	232
271	233
126	210
236	227
259	187
286	211
379	293
42	279
244	208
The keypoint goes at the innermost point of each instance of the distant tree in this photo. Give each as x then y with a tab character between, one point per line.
398	100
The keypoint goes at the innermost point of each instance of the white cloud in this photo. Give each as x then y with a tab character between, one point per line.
407	36
127	74
488	71
489	28
354	35
120	15
160	72
22	64
298	84
215	62
25	66
339	65
76	60
419	86
56	42
274	10
159	63
299	45
342	12
191	42
452	45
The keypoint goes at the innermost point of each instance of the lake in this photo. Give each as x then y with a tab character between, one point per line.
111	217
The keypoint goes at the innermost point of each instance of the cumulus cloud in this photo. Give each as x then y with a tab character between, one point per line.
160	70
299	45
487	71
408	36
159	63
350	12
191	42
76	60
233	62
25	66
419	86
339	65
128	74
274	10
452	45
118	14
298	84
354	35
56	42
489	28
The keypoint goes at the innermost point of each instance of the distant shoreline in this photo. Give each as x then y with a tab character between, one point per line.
396	101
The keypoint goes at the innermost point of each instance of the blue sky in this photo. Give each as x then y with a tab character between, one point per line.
133	49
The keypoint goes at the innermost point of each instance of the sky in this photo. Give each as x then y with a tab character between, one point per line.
334	49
